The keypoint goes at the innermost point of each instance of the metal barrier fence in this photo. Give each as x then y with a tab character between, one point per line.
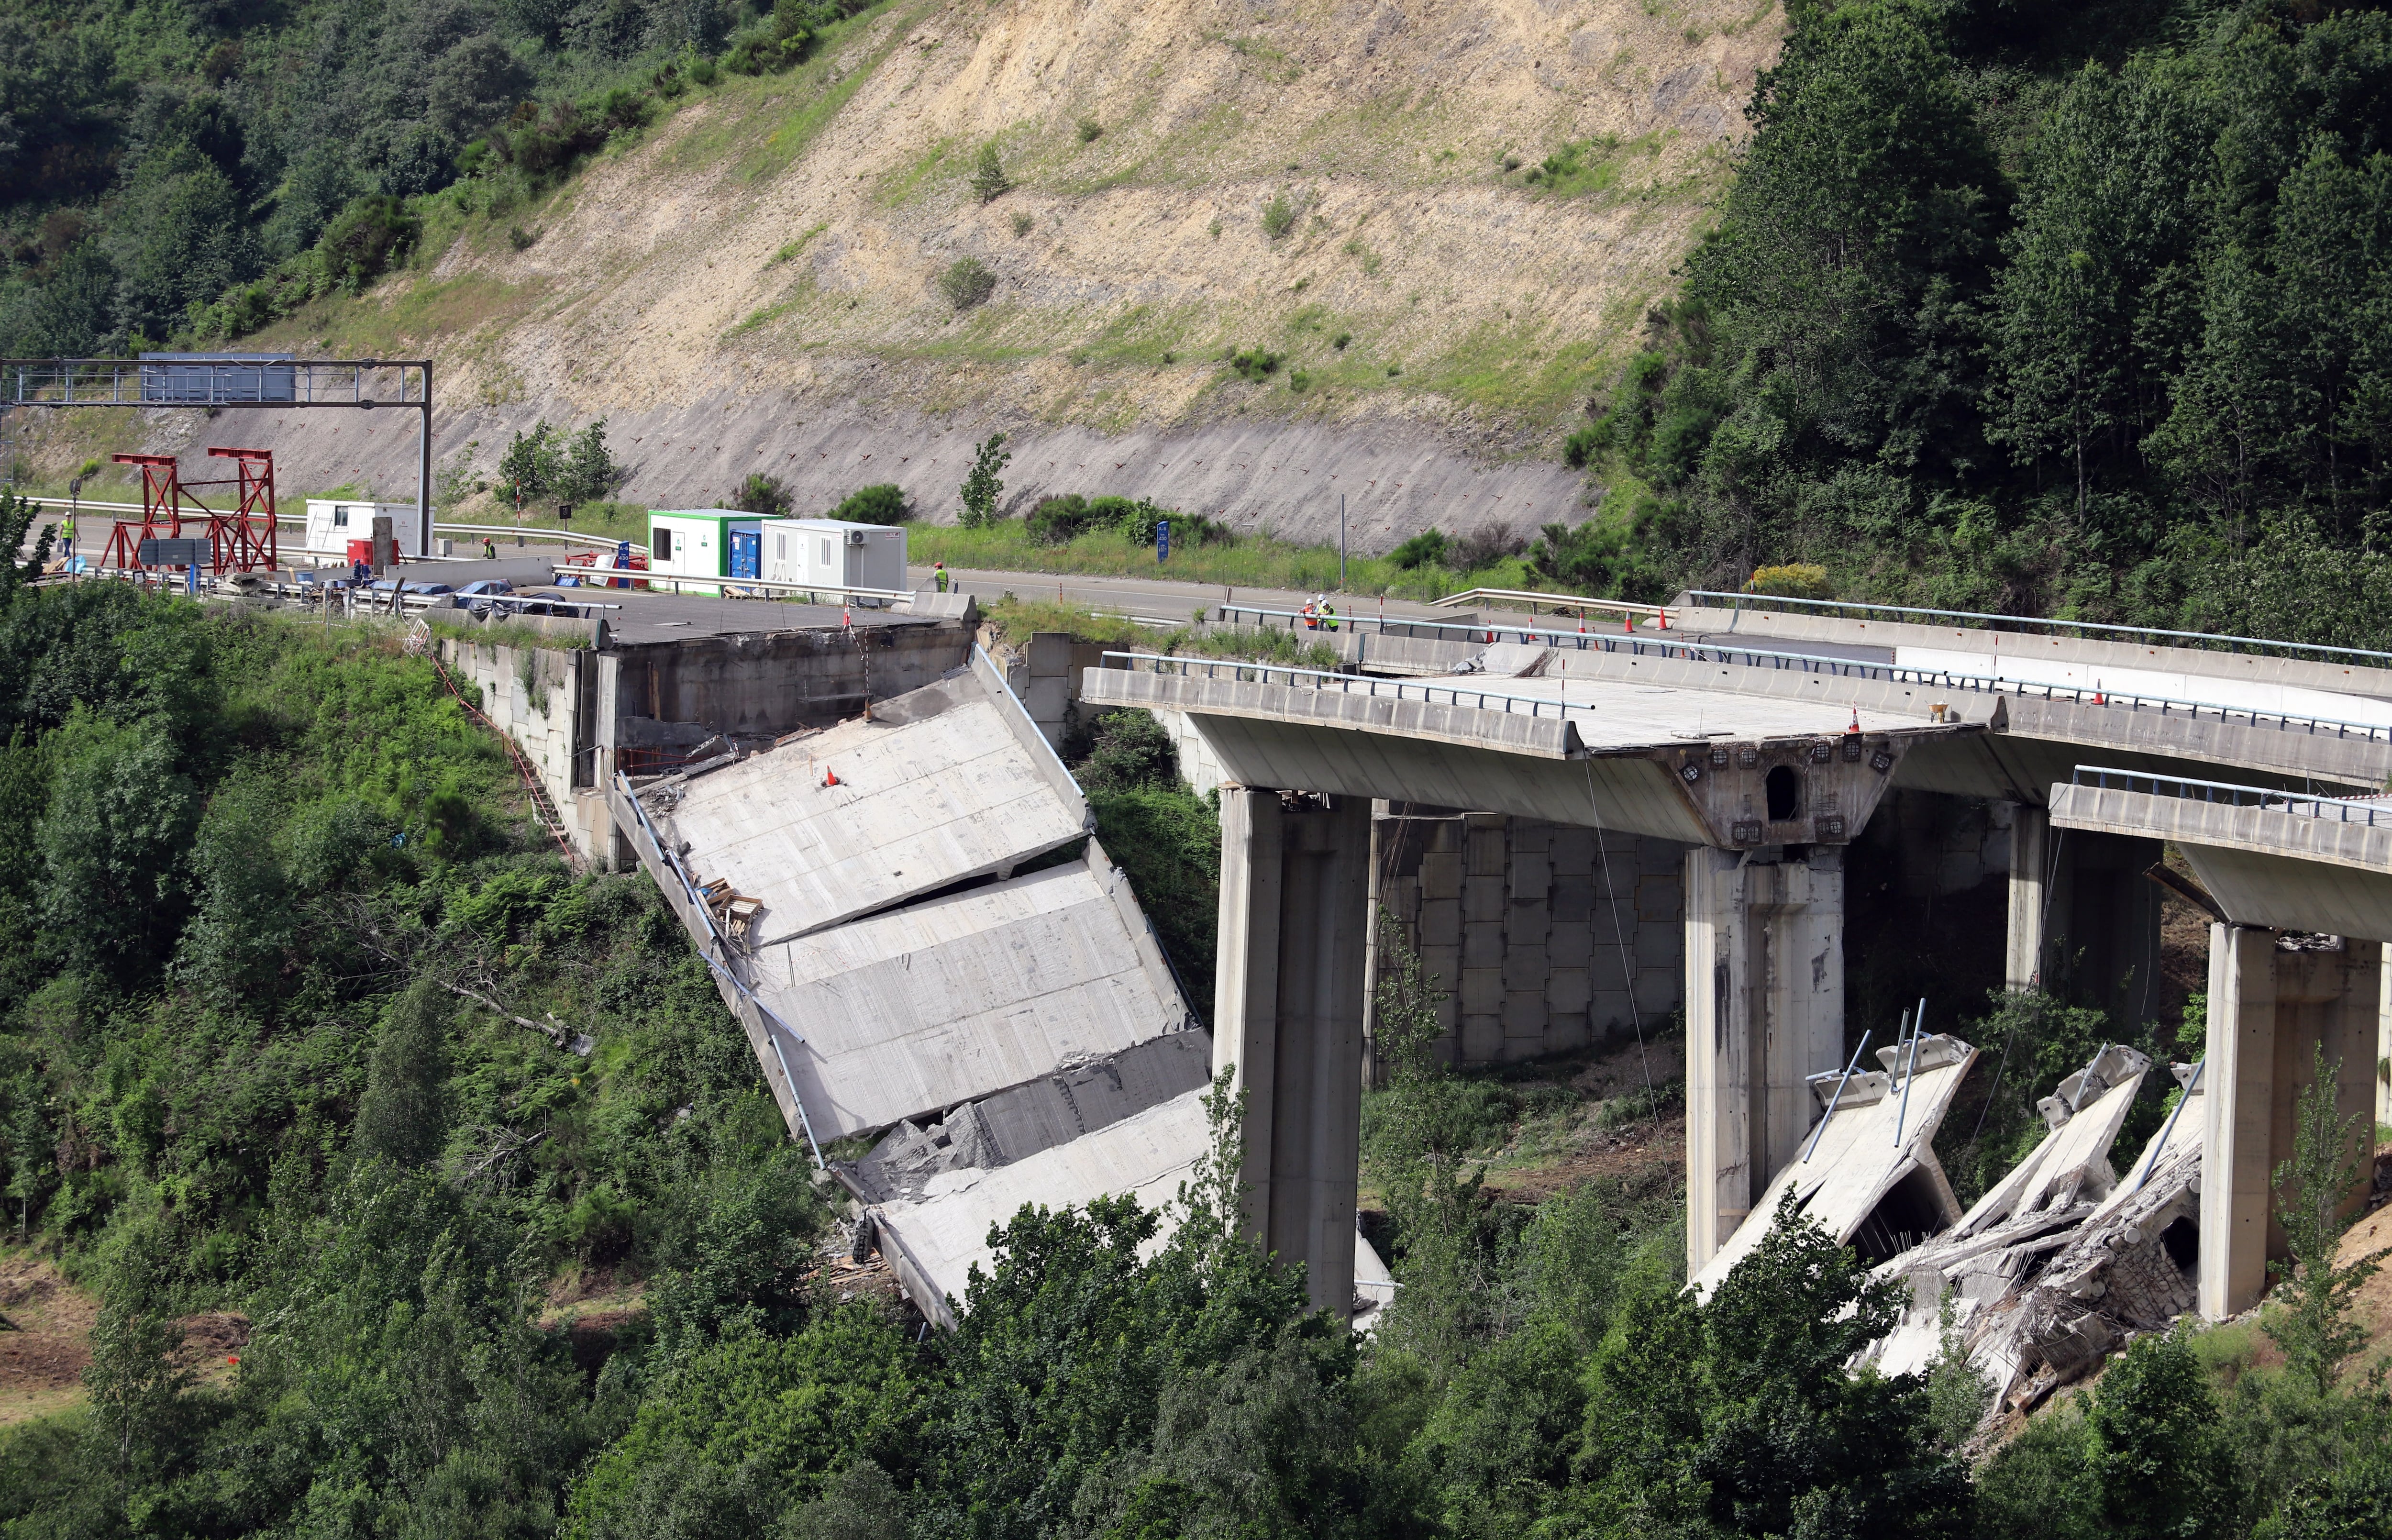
1345	684
2347	810
2209	641
1848	668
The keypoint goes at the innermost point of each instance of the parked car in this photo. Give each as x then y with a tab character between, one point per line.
476	598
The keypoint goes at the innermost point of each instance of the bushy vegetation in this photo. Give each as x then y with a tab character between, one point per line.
1059	519
1165	839
967	282
190	173
551	465
262	885
883	503
2035	309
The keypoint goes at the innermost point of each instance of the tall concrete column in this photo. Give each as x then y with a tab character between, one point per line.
2271	1009
2030	886
2084	920
1764	1008
2383	1043
1288	1006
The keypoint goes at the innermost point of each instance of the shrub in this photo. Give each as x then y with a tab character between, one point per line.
1581	445
520	238
1021	223
1255	363
1056	519
1794	581
967	282
1426	549
989	181
1485	547
1278	216
366	238
882	505
761	494
1089	129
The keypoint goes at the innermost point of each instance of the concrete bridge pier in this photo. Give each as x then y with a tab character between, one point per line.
2084	920
2271	1006
1764	1008
1288	992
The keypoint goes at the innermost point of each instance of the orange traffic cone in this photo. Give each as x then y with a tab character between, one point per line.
1856	721
830	778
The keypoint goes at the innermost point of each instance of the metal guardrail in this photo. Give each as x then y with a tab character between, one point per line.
1850	668
1328	625
1348	684
2207	641
2347	810
1559	601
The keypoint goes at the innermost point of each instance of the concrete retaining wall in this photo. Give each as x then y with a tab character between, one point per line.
1545	938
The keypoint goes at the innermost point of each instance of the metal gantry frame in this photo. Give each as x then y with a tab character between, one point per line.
230	381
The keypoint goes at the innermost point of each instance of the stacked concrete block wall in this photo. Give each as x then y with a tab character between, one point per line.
1544	937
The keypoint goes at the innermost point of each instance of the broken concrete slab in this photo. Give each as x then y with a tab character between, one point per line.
942	784
1076	1097
1872	1166
934	1242
915	1010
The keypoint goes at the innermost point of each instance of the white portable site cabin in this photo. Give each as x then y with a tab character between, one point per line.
706	542
333	522
834	554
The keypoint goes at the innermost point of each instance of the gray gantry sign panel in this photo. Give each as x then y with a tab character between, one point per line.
217	379
213	379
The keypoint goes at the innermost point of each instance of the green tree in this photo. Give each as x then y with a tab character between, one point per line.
1741	1411
1858	234
989	181
2312	1321
981	488
884	503
2152	1450
114	843
533	463
400	1117
588	472
761	494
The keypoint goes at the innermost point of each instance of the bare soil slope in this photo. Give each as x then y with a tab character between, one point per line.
754	283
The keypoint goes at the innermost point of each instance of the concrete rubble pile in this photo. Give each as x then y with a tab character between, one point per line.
2064	1259
931	942
2055	1268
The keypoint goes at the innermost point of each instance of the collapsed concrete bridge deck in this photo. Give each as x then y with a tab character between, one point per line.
903	964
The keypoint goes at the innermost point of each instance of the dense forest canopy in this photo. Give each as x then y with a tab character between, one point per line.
188	171
2080	309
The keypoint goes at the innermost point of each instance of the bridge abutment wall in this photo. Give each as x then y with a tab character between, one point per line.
1545	938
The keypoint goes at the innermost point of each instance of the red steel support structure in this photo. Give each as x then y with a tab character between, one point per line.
249	529
241	540
162	511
